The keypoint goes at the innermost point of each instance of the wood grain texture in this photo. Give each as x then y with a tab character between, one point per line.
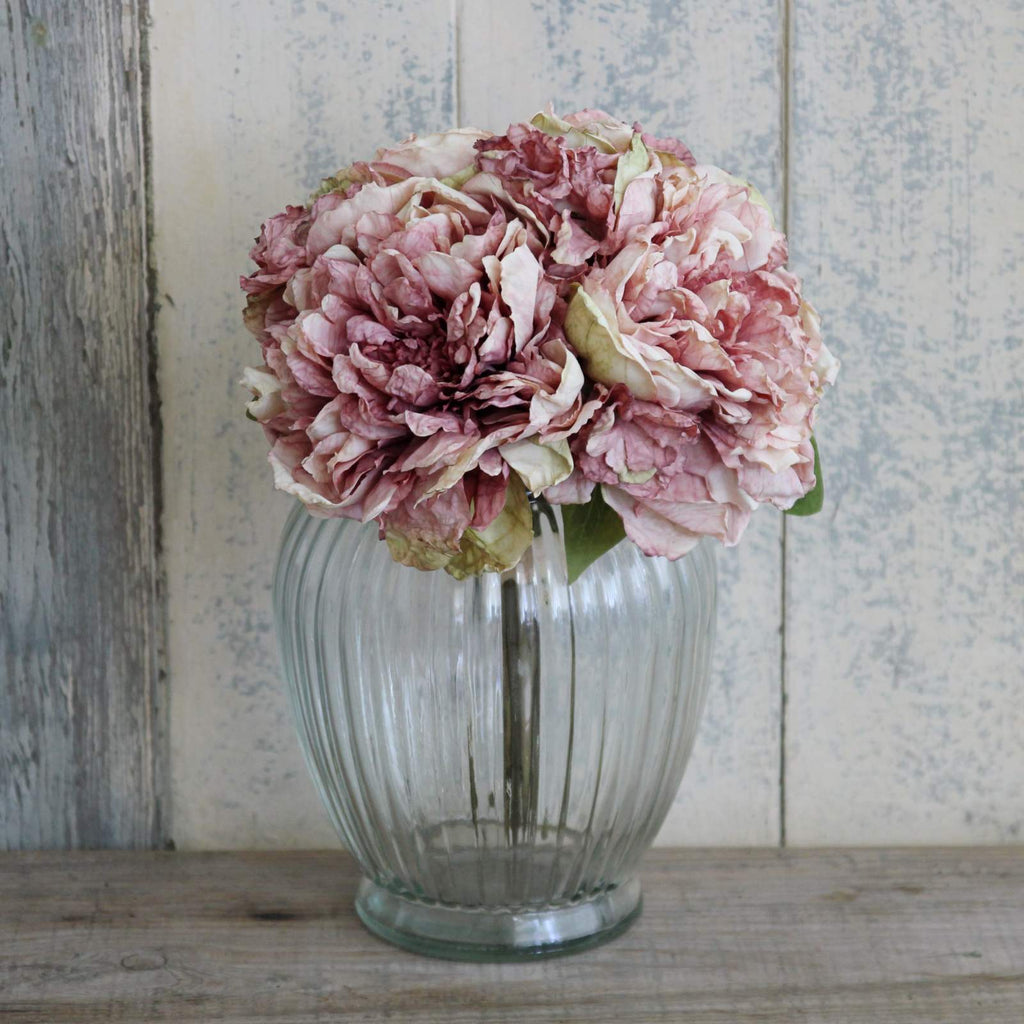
905	599
673	67
252	103
763	937
80	744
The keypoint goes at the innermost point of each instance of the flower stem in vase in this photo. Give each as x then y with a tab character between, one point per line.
520	686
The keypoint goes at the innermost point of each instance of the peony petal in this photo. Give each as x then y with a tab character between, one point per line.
602	125
609	357
416	552
520	273
428	534
337	226
425	424
446	276
652	532
540	465
574	246
284	480
639	206
575	489
414	385
634	161
435	156
267	400
468	456
716	174
490	185
549	123
499	546
547	406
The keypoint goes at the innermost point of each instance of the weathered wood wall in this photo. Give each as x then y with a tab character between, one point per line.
80	751
905	600
869	665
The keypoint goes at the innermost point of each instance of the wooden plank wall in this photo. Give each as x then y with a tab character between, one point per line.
869	662
81	752
905	601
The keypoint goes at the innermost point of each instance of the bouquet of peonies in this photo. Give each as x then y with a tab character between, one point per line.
574	309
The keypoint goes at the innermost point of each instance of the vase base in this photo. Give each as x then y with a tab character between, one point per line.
456	933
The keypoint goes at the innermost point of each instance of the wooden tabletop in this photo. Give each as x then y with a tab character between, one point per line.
727	936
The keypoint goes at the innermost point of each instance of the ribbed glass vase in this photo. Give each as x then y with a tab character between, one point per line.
497	753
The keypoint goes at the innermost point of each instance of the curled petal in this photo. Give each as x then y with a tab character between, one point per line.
609	357
575	489
434	156
266	388
499	546
547	406
633	162
520	273
287	479
573	245
539	464
447	276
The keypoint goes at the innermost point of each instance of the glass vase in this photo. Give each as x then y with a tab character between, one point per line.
497	753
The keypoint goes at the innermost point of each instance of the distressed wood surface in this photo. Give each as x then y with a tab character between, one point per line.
252	104
905	599
626	57
80	742
772	937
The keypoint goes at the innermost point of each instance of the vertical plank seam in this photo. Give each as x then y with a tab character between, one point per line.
785	129
159	700
457	61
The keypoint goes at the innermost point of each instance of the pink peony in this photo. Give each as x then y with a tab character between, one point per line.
412	359
470	317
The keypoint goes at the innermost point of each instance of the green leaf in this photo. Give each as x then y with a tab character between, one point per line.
812	501
590	531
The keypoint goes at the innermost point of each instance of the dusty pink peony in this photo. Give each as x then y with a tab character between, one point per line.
574	303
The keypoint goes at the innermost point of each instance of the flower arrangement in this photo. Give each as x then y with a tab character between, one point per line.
574	309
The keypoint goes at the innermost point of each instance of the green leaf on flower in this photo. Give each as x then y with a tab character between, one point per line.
634	161
590	530
812	501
